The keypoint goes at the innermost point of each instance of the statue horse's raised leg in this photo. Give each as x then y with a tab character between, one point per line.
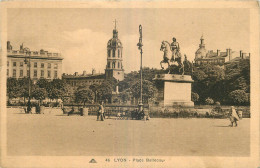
161	64
182	67
168	67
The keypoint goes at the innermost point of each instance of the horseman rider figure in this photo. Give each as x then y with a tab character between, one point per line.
175	48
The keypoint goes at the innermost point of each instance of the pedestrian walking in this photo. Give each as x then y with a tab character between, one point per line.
100	112
233	116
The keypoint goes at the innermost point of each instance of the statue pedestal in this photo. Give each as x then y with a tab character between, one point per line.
174	90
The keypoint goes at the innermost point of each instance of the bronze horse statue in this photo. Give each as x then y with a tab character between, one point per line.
169	58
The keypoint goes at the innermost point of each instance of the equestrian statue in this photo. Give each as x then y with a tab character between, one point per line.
170	59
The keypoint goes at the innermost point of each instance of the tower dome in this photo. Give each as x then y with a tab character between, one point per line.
114	42
201	52
114	67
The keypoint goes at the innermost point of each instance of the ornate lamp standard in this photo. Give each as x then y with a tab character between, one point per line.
140	47
27	61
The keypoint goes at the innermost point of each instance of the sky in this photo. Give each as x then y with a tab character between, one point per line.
81	35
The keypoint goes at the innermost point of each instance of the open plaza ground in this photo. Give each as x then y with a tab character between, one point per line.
62	135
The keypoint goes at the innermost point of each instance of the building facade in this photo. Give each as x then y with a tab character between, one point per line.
43	64
84	79
202	56
114	67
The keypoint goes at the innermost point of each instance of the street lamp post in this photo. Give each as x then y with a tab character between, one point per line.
27	61
140	47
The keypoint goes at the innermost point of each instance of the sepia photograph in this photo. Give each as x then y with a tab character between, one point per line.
116	84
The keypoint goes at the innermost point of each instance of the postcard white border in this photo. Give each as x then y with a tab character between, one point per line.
171	161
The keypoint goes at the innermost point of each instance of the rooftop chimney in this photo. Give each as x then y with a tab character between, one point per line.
241	53
218	52
9	46
93	71
84	73
76	74
229	54
21	47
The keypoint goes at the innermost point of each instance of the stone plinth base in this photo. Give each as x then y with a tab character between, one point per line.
174	90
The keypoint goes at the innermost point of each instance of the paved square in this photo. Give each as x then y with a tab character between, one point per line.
31	134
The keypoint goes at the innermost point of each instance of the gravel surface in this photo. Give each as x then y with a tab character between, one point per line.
40	134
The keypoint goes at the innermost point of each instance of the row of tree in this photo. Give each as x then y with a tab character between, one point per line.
42	89
59	89
229	85
104	91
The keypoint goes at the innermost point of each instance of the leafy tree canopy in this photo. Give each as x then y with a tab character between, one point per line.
84	96
238	76
239	97
39	93
209	101
149	90
194	97
42	83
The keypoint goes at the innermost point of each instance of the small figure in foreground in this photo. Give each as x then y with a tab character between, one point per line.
233	116
100	112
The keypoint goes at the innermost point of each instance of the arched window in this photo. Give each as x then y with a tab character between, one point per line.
118	65
118	53
114	53
113	64
108	53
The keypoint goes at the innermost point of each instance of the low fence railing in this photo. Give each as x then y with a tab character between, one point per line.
109	109
115	109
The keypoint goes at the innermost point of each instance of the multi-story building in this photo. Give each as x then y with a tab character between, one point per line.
203	56
43	64
85	79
